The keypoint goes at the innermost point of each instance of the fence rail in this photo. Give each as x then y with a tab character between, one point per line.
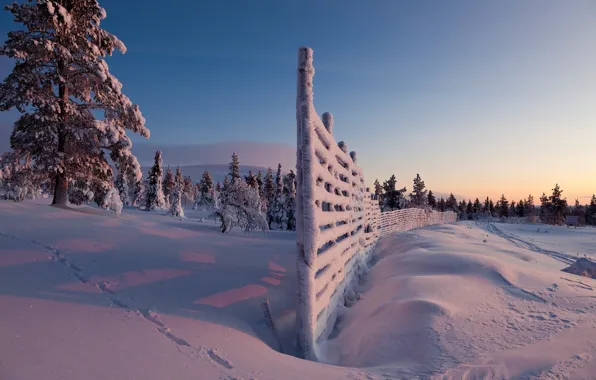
410	218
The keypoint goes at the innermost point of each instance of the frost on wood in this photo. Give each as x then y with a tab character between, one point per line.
337	217
411	218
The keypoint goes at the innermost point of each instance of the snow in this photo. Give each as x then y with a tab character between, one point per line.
167	298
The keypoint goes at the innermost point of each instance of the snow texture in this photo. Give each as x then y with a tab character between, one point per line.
336	216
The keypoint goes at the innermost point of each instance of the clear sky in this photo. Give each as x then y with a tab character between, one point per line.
479	97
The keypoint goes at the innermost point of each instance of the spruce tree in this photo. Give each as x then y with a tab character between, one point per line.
503	206
60	83
591	211
529	209
290	195
491	207
441	205
188	190
392	197
379	193
176	195
559	205
520	210
431	200
580	211
512	209
451	203
418	197
169	183
545	209
477	207
470	210
486	205
155	198
260	183
234	168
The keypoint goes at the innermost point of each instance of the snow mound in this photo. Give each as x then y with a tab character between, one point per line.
582	267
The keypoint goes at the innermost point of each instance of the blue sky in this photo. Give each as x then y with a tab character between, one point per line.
479	97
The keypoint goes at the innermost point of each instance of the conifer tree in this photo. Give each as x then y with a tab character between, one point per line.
392	197
176	195
188	190
260	183
503	206
520	209
545	209
60	84
155	198
591	211
251	180
451	203
559	205
169	183
379	193
529	209
276	206
441	205
418	197
431	200
486	205
512	209
477	207
290	194
470	209
234	168
580	211
491	208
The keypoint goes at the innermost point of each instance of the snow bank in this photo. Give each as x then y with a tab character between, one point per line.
582	267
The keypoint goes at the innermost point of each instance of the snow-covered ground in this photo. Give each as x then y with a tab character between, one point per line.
85	295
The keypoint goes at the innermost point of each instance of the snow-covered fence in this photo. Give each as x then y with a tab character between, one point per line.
336	218
410	218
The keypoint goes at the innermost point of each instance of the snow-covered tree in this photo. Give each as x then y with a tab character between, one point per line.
59	84
176	195
290	195
418	196
188	194
169	183
17	177
260	183
155	198
206	196
121	184
441	205
276	207
239	205
545	209
477	207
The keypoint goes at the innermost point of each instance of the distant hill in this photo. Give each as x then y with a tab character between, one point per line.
218	171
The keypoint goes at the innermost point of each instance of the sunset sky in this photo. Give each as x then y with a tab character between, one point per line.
479	97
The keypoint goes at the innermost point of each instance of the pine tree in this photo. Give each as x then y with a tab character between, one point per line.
503	206
59	84
591	211
470	210
520	209
155	198
491	208
234	168
121	184
176	195
379	193
545	209
188	194
477	207
486	205
442	205
579	211
260	183
276	209
431	200
290	195
529	209
169	183
218	187
451	203
559	205
512	209
418	197
392	197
